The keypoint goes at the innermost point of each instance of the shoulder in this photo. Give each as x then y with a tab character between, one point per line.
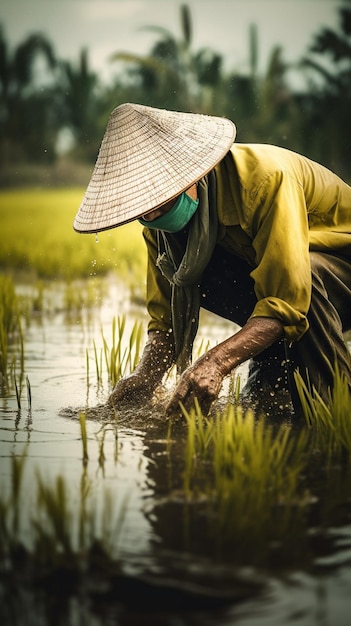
264	158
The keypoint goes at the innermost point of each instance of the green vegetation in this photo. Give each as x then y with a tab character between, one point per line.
66	98
247	485
84	435
122	357
10	331
38	237
67	530
246	469
329	421
41	248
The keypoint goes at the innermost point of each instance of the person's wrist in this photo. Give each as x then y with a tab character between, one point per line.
224	361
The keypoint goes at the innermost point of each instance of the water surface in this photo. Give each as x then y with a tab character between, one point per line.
173	569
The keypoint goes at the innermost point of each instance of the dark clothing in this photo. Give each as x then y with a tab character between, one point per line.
282	251
228	290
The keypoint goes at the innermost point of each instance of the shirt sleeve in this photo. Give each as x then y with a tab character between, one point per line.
276	221
158	289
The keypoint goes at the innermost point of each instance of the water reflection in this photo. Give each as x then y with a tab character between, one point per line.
177	568
320	533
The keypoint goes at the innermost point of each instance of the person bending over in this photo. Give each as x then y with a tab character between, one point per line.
255	233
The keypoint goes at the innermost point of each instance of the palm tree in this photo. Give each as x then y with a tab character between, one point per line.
25	118
172	75
330	86
262	106
78	87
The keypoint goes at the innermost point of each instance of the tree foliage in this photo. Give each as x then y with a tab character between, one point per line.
43	97
327	121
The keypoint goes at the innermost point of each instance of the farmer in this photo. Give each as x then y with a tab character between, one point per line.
255	233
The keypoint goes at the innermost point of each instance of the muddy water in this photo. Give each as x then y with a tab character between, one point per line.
178	571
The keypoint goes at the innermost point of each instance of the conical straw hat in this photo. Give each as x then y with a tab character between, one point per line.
147	157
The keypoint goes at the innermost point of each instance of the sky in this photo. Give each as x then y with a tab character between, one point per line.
108	26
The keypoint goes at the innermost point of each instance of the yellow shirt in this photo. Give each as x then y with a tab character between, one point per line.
273	206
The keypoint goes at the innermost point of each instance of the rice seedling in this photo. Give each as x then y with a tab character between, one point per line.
56	521
204	346
17	469
244	467
330	420
18	389
84	492
18	393
98	364
84	435
121	356
62	531
10	327
119	360
11	510
29	394
101	446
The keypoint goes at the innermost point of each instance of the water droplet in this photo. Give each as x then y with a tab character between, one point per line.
96	238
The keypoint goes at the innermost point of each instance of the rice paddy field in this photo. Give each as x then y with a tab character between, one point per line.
119	516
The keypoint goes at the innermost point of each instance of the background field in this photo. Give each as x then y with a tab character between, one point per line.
38	239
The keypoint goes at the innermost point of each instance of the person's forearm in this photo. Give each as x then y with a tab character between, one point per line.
257	335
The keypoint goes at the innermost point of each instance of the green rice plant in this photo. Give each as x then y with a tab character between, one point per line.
38	237
122	355
55	518
3	346
10	326
244	466
18	393
330	420
98	364
83	515
71	531
61	531
18	390
234	387
115	355
11	511
29	394
84	435
101	443
17	470
203	347
8	319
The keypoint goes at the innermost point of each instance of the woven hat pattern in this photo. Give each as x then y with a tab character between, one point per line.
147	157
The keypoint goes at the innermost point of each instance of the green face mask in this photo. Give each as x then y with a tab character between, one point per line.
177	217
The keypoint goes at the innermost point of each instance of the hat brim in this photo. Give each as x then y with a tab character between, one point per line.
147	157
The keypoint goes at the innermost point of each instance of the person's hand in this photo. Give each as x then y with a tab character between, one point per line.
139	386
134	388
202	380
